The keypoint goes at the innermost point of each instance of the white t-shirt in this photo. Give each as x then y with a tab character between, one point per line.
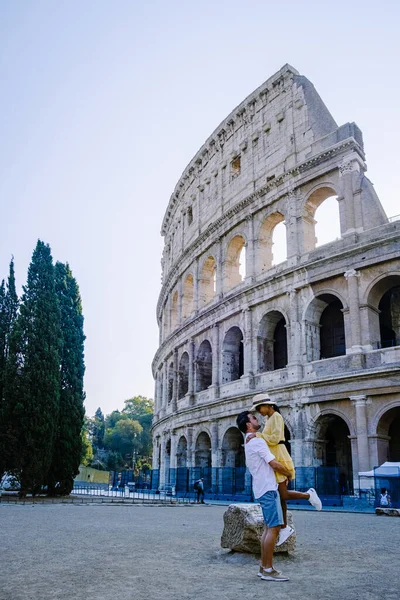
258	457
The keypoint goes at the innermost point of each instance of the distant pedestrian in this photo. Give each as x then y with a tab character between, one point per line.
385	501
199	488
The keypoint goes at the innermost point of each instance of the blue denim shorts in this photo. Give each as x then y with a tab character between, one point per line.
271	508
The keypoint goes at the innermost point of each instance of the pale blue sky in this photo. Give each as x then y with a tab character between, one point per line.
103	104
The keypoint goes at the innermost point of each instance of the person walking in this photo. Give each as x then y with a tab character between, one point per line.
274	435
262	463
199	487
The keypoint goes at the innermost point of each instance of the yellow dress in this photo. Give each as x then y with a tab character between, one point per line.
273	433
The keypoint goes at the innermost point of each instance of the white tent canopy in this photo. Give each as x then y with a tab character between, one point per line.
390	469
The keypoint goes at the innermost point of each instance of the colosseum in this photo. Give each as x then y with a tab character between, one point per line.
318	328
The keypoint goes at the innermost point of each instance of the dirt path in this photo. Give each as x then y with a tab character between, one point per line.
54	552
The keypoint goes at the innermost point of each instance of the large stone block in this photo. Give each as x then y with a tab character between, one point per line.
388	512
243	527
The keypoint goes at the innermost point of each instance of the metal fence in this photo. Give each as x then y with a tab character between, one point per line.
223	483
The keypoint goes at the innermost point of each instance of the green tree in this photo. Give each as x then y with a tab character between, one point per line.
124	438
141	409
32	382
97	429
67	451
87	450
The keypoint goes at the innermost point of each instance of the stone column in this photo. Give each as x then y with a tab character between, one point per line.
215	358
196	286
360	405
250	250
191	381
292	240
294	337
347	171
248	343
173	460
175	383
214	455
162	466
180	302
219	283
165	387
156	445
190	450
354	306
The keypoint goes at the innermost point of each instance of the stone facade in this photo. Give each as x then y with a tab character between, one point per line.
319	331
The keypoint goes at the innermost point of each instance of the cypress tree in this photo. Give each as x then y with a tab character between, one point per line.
33	372
67	452
8	314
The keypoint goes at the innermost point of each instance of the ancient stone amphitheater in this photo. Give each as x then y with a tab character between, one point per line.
319	329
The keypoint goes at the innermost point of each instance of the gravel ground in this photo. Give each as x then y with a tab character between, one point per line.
85	552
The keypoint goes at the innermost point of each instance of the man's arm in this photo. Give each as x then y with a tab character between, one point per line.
266	454
277	466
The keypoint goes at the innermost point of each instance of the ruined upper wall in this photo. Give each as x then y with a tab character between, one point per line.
279	125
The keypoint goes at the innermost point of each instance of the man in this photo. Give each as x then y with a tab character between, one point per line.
262	464
199	487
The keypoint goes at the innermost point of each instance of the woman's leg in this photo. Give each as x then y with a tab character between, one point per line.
286	494
282	487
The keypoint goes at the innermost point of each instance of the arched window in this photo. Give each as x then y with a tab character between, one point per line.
203	451
332	448
332	336
181	452
183	375
204	366
327	221
388	434
321	224
272	342
271	242
232	355
187	301
235	263
208	280
174	311
389	318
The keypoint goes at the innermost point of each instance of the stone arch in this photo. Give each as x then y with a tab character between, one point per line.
324	327
181	452
204	366
383	305
203	450
232	355
235	262
187	297
183	375
272	342
208	280
313	201
174	310
265	257
388	434
232	450
332	449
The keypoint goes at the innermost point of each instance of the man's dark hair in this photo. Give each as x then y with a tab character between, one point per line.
242	420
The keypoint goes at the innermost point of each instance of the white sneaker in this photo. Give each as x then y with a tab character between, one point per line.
271	575
284	534
314	499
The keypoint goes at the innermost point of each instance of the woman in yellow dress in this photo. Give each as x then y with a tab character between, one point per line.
274	435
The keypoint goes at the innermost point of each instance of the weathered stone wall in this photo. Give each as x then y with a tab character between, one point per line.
309	330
